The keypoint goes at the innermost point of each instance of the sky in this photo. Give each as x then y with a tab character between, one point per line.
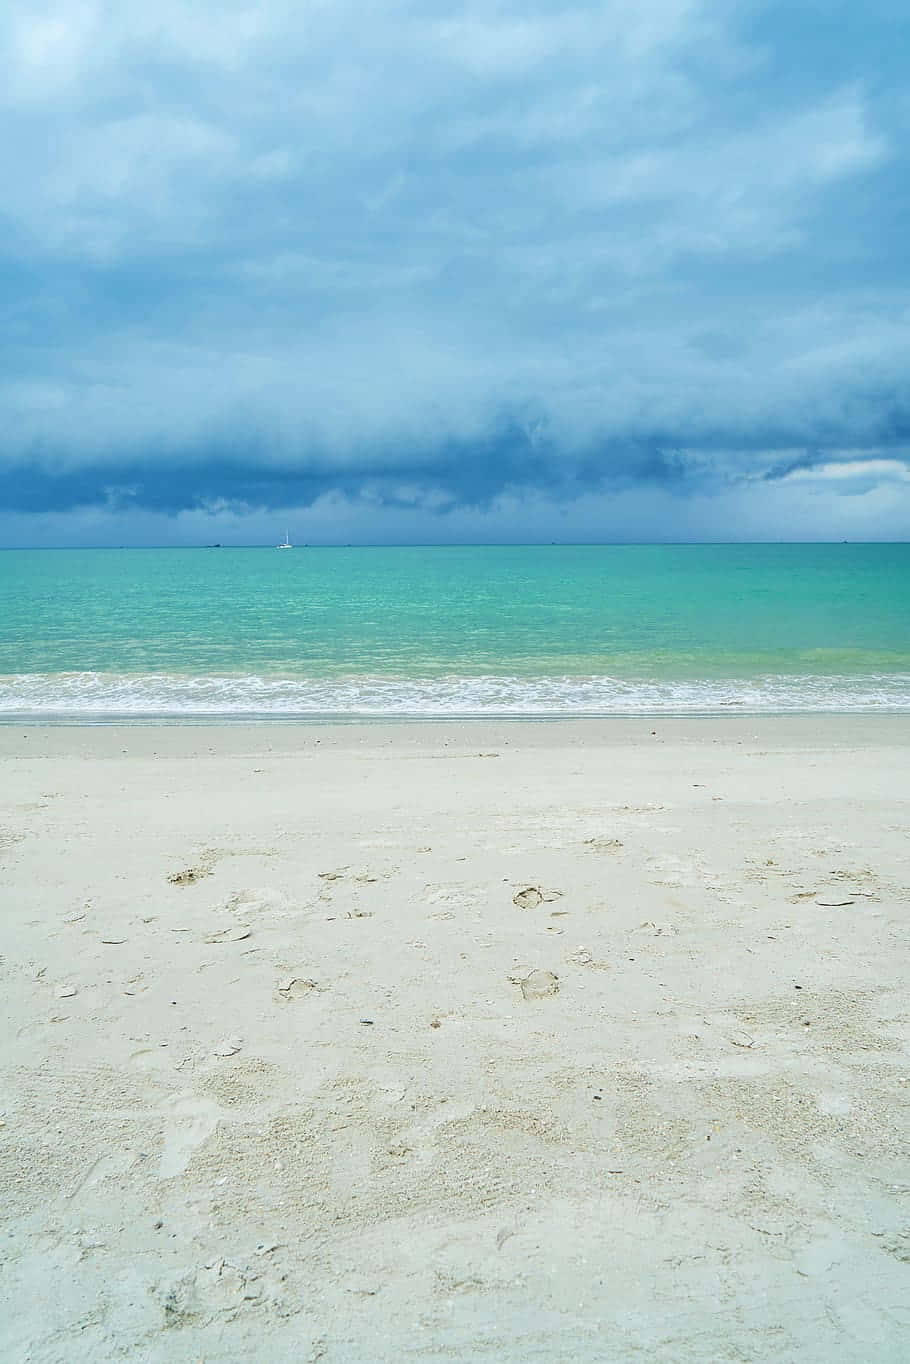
453	272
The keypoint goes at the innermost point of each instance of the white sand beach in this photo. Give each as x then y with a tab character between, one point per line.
497	1041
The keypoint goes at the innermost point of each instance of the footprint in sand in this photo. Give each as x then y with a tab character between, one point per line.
221	1289
189	876
604	845
111	1165
191	1121
675	872
539	985
532	896
657	930
296	987
451	895
257	900
235	933
583	956
152	1059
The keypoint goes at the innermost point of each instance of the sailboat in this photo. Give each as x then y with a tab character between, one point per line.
287	541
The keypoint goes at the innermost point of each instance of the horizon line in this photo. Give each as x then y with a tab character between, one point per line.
460	544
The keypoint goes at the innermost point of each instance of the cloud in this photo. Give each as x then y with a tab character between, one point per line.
432	256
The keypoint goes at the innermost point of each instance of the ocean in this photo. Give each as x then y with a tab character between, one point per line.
533	631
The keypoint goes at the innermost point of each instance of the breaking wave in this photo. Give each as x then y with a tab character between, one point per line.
106	696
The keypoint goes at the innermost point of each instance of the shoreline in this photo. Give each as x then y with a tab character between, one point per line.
809	727
254	720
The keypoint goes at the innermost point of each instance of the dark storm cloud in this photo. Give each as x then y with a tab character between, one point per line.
471	473
430	256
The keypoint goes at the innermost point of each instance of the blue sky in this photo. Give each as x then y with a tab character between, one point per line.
450	272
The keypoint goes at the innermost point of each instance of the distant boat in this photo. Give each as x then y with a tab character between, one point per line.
287	541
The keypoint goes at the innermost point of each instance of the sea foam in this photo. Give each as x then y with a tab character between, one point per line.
93	695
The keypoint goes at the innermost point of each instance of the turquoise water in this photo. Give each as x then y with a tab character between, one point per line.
466	630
